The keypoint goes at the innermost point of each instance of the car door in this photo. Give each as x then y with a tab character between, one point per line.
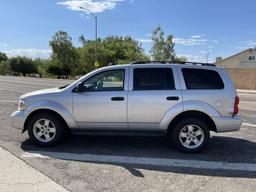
103	103
153	92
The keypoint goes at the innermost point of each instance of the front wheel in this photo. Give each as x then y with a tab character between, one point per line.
190	135
46	129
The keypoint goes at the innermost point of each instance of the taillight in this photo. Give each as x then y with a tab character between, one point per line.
236	108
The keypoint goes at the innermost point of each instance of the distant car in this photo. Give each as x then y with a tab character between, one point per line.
183	101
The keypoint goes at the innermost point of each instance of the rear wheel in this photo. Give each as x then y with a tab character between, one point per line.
190	135
46	129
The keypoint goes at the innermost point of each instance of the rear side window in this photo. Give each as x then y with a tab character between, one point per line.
202	79
153	79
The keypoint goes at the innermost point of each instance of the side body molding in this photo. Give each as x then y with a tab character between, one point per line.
187	106
54	106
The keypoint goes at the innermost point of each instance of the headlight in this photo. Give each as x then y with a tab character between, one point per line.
21	105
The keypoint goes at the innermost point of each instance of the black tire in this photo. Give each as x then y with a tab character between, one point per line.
182	125
60	129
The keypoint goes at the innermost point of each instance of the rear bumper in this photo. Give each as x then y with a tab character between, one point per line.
227	124
18	119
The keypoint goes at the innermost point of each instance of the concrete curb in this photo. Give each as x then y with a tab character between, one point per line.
16	175
246	91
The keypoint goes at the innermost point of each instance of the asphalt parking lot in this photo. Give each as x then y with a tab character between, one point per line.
107	163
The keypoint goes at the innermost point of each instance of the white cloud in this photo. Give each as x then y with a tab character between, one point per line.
204	52
242	47
144	40
246	45
190	41
5	45
196	58
194	40
251	43
94	6
29	52
196	36
215	41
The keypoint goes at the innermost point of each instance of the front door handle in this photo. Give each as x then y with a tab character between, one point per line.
174	98
117	99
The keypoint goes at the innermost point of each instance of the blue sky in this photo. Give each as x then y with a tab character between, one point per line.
217	27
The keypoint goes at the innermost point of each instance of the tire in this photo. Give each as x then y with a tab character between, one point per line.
46	124
190	135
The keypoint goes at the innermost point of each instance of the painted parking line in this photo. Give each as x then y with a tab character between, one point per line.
249	124
143	161
8	101
12	90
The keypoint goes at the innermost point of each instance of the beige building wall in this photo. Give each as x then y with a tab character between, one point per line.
241	69
243	78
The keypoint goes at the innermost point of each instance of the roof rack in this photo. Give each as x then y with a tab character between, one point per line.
174	62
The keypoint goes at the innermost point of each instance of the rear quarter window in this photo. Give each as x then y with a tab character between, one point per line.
202	79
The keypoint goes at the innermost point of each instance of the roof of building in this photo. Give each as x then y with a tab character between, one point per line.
250	49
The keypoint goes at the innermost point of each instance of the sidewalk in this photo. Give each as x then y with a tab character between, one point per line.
18	176
246	91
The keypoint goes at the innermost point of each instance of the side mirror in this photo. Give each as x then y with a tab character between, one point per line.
80	87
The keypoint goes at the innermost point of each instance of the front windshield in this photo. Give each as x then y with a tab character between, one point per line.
81	79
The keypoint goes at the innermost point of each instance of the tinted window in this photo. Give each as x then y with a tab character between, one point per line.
202	79
112	80
153	79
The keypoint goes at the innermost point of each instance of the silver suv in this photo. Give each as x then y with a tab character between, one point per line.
182	101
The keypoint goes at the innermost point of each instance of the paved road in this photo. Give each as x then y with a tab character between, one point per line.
93	163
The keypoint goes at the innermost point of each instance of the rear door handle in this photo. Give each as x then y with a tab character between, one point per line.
174	98
117	99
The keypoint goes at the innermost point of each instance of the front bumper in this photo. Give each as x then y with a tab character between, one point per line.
18	119
227	124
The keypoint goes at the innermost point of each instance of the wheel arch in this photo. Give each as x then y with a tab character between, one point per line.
193	114
38	111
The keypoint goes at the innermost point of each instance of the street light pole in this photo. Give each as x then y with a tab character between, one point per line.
207	56
96	32
96	38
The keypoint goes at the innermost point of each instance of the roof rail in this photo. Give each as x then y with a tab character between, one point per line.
175	62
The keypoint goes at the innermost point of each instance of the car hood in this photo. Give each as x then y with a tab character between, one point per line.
40	92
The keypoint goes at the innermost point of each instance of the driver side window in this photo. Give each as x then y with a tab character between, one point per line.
112	80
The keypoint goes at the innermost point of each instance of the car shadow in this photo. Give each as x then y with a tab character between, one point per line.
220	149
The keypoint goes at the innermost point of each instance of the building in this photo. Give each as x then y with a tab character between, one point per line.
244	59
241	67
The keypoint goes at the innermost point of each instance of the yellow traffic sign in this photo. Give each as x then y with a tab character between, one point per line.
96	64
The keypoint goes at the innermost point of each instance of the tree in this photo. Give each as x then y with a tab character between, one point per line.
87	56
123	49
42	66
181	59
64	55
5	68
163	48
23	65
82	40
57	69
3	57
110	51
